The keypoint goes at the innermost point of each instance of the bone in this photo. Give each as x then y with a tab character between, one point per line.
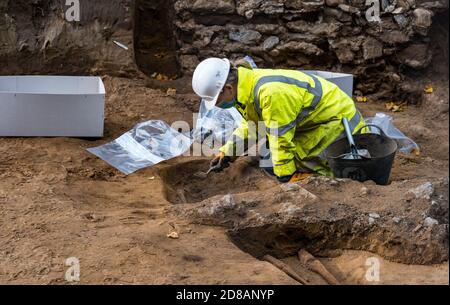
286	269
181	195
310	262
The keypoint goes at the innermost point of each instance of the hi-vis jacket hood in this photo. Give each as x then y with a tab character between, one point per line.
302	114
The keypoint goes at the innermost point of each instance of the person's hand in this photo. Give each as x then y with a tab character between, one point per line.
220	162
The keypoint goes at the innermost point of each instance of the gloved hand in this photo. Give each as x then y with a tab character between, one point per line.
220	162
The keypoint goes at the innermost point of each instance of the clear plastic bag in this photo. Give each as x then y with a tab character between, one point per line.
152	142
386	123
215	125
147	144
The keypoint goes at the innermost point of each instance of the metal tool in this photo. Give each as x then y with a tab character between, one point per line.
355	153
203	175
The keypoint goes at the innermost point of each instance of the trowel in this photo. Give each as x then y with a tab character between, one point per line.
203	175
355	153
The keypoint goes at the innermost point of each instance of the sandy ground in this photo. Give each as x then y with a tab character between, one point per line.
58	201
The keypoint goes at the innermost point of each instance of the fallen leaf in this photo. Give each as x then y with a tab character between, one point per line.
361	99
173	235
396	107
161	77
429	89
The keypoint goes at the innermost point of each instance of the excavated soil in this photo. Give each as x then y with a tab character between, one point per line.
184	185
58	201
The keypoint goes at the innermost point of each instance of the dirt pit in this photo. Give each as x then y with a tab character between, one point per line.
184	184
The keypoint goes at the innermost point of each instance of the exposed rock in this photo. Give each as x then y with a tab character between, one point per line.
227	202
318	29
442	4
270	29
302	47
396	220
416	56
290	187
424	191
375	215
334	2
372	49
245	36
271	43
282	221
345	49
306	5
429	222
189	63
401	20
364	191
349	9
321	33
422	20
208	6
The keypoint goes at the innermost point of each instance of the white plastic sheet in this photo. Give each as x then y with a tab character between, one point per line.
386	123
147	144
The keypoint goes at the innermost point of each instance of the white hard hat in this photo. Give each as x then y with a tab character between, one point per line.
209	78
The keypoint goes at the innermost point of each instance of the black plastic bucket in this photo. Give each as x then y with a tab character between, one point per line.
378	168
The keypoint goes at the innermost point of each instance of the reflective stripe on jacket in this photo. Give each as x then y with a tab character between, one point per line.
302	113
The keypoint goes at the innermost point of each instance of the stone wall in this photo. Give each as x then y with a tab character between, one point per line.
36	38
309	34
317	34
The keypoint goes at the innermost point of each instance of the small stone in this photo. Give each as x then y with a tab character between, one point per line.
372	49
208	6
417	56
371	221
398	10
171	92
424	191
374	215
249	14
334	182
429	222
271	43
173	235
396	219
423	20
401	20
245	36
364	191
290	187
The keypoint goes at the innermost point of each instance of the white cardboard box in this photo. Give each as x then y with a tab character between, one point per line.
342	80
51	106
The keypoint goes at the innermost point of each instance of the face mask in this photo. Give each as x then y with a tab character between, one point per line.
227	105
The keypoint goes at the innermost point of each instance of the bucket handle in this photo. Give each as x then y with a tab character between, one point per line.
373	125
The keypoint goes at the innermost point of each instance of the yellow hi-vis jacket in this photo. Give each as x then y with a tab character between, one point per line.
302	114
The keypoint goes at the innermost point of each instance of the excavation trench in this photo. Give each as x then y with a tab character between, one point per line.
183	184
323	216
